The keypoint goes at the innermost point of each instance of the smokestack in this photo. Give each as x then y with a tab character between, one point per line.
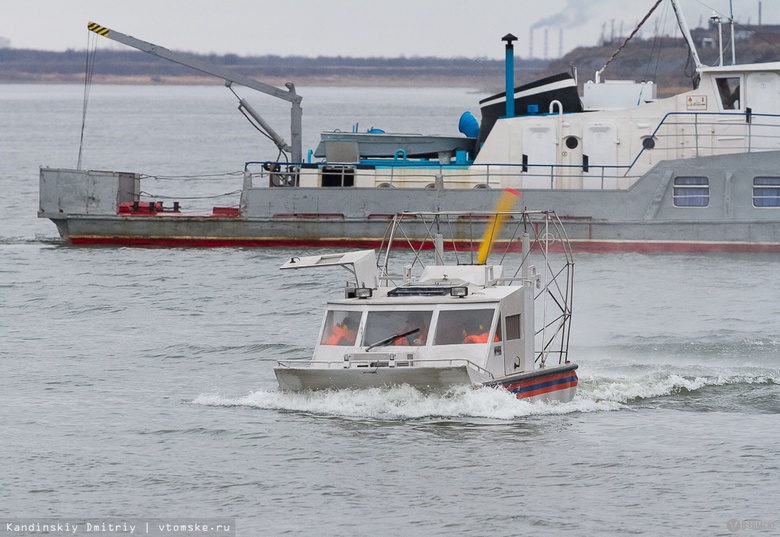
510	74
531	44
560	42
546	42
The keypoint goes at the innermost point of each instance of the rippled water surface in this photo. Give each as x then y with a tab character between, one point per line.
139	382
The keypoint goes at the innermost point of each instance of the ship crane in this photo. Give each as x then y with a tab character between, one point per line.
230	78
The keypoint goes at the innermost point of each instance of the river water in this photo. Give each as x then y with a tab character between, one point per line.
137	384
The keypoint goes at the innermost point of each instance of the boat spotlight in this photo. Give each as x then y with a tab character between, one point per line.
364	292
459	292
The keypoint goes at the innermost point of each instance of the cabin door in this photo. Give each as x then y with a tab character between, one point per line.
599	156
514	345
539	151
763	97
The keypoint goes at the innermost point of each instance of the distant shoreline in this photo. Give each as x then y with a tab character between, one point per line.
135	67
350	81
667	66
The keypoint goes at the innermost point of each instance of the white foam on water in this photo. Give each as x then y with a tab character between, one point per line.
404	402
625	389
595	393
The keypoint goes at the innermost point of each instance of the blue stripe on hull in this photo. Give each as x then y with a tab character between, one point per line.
542	385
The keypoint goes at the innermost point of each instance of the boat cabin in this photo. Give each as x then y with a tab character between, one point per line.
443	319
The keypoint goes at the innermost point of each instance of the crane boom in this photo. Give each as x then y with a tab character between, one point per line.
683	24
296	114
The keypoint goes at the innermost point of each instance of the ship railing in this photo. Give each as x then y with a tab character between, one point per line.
381	357
697	134
547	176
441	176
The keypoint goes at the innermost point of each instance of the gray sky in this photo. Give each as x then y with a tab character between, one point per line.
357	28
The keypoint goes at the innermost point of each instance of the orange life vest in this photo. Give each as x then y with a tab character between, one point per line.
477	338
341	336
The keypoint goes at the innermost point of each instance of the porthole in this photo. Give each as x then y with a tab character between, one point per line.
572	142
648	142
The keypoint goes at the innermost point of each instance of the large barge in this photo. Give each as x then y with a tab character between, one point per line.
625	171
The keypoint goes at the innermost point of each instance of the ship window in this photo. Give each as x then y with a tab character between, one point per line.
513	327
766	192
572	142
338	176
691	192
728	90
463	326
648	142
340	327
381	325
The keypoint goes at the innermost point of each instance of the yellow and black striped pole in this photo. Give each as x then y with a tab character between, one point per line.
100	30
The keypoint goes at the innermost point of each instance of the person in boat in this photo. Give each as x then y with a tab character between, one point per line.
477	334
421	321
402	341
418	321
343	333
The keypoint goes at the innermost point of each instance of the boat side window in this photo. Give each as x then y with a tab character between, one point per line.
338	176
513	327
381	325
691	192
766	192
340	327
728	91
456	327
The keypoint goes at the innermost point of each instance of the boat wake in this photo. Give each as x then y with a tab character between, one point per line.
595	394
629	389
406	403
37	240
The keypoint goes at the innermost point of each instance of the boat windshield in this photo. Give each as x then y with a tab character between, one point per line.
340	327
384	324
464	326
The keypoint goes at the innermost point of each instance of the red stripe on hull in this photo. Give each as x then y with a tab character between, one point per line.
539	379
542	391
597	247
360	243
205	242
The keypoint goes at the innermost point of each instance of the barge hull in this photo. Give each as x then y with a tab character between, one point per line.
87	208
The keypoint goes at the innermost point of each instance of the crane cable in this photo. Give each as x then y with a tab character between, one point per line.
621	47
90	68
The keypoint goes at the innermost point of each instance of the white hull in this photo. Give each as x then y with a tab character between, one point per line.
552	384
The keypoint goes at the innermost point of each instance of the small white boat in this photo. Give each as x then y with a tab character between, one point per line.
458	320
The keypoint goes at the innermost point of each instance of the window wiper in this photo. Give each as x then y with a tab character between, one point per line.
391	338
